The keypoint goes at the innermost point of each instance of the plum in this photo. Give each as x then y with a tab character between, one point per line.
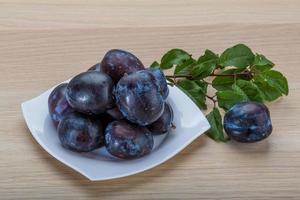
58	105
105	119
161	81
81	133
115	113
128	141
248	122
117	62
90	92
163	123
139	99
95	67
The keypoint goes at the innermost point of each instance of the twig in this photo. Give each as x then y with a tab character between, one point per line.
179	76
232	75
212	99
247	73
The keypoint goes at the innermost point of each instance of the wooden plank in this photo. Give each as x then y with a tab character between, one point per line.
39	50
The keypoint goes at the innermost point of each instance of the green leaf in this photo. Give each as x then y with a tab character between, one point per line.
277	80
185	67
222	82
174	57
261	63
208	55
238	56
268	92
205	65
196	90
251	90
155	64
225	82
228	98
239	91
216	127
272	84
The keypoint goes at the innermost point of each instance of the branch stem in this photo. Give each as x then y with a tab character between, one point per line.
212	99
247	73
179	76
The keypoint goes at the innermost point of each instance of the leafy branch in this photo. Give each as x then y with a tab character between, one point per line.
236	75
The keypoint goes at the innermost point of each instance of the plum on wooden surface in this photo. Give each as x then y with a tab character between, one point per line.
248	122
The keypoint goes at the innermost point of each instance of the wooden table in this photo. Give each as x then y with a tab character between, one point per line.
45	42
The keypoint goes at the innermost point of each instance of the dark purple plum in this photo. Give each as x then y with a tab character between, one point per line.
90	92
164	122
248	122
95	67
58	105
117	62
139	99
161	81
105	119
81	133
115	113
128	141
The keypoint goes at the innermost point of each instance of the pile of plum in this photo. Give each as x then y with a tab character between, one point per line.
117	103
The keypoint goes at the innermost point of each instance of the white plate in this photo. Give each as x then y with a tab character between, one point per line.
99	165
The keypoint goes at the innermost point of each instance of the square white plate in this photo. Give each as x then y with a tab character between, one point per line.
99	165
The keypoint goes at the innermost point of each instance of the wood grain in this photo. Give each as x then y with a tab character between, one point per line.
45	42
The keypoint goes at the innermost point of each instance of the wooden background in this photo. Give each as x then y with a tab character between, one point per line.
43	42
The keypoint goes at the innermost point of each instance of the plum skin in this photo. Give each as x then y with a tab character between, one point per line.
248	122
80	133
115	113
139	99
164	122
128	141
90	92
58	105
117	62
105	119
95	67
161	81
